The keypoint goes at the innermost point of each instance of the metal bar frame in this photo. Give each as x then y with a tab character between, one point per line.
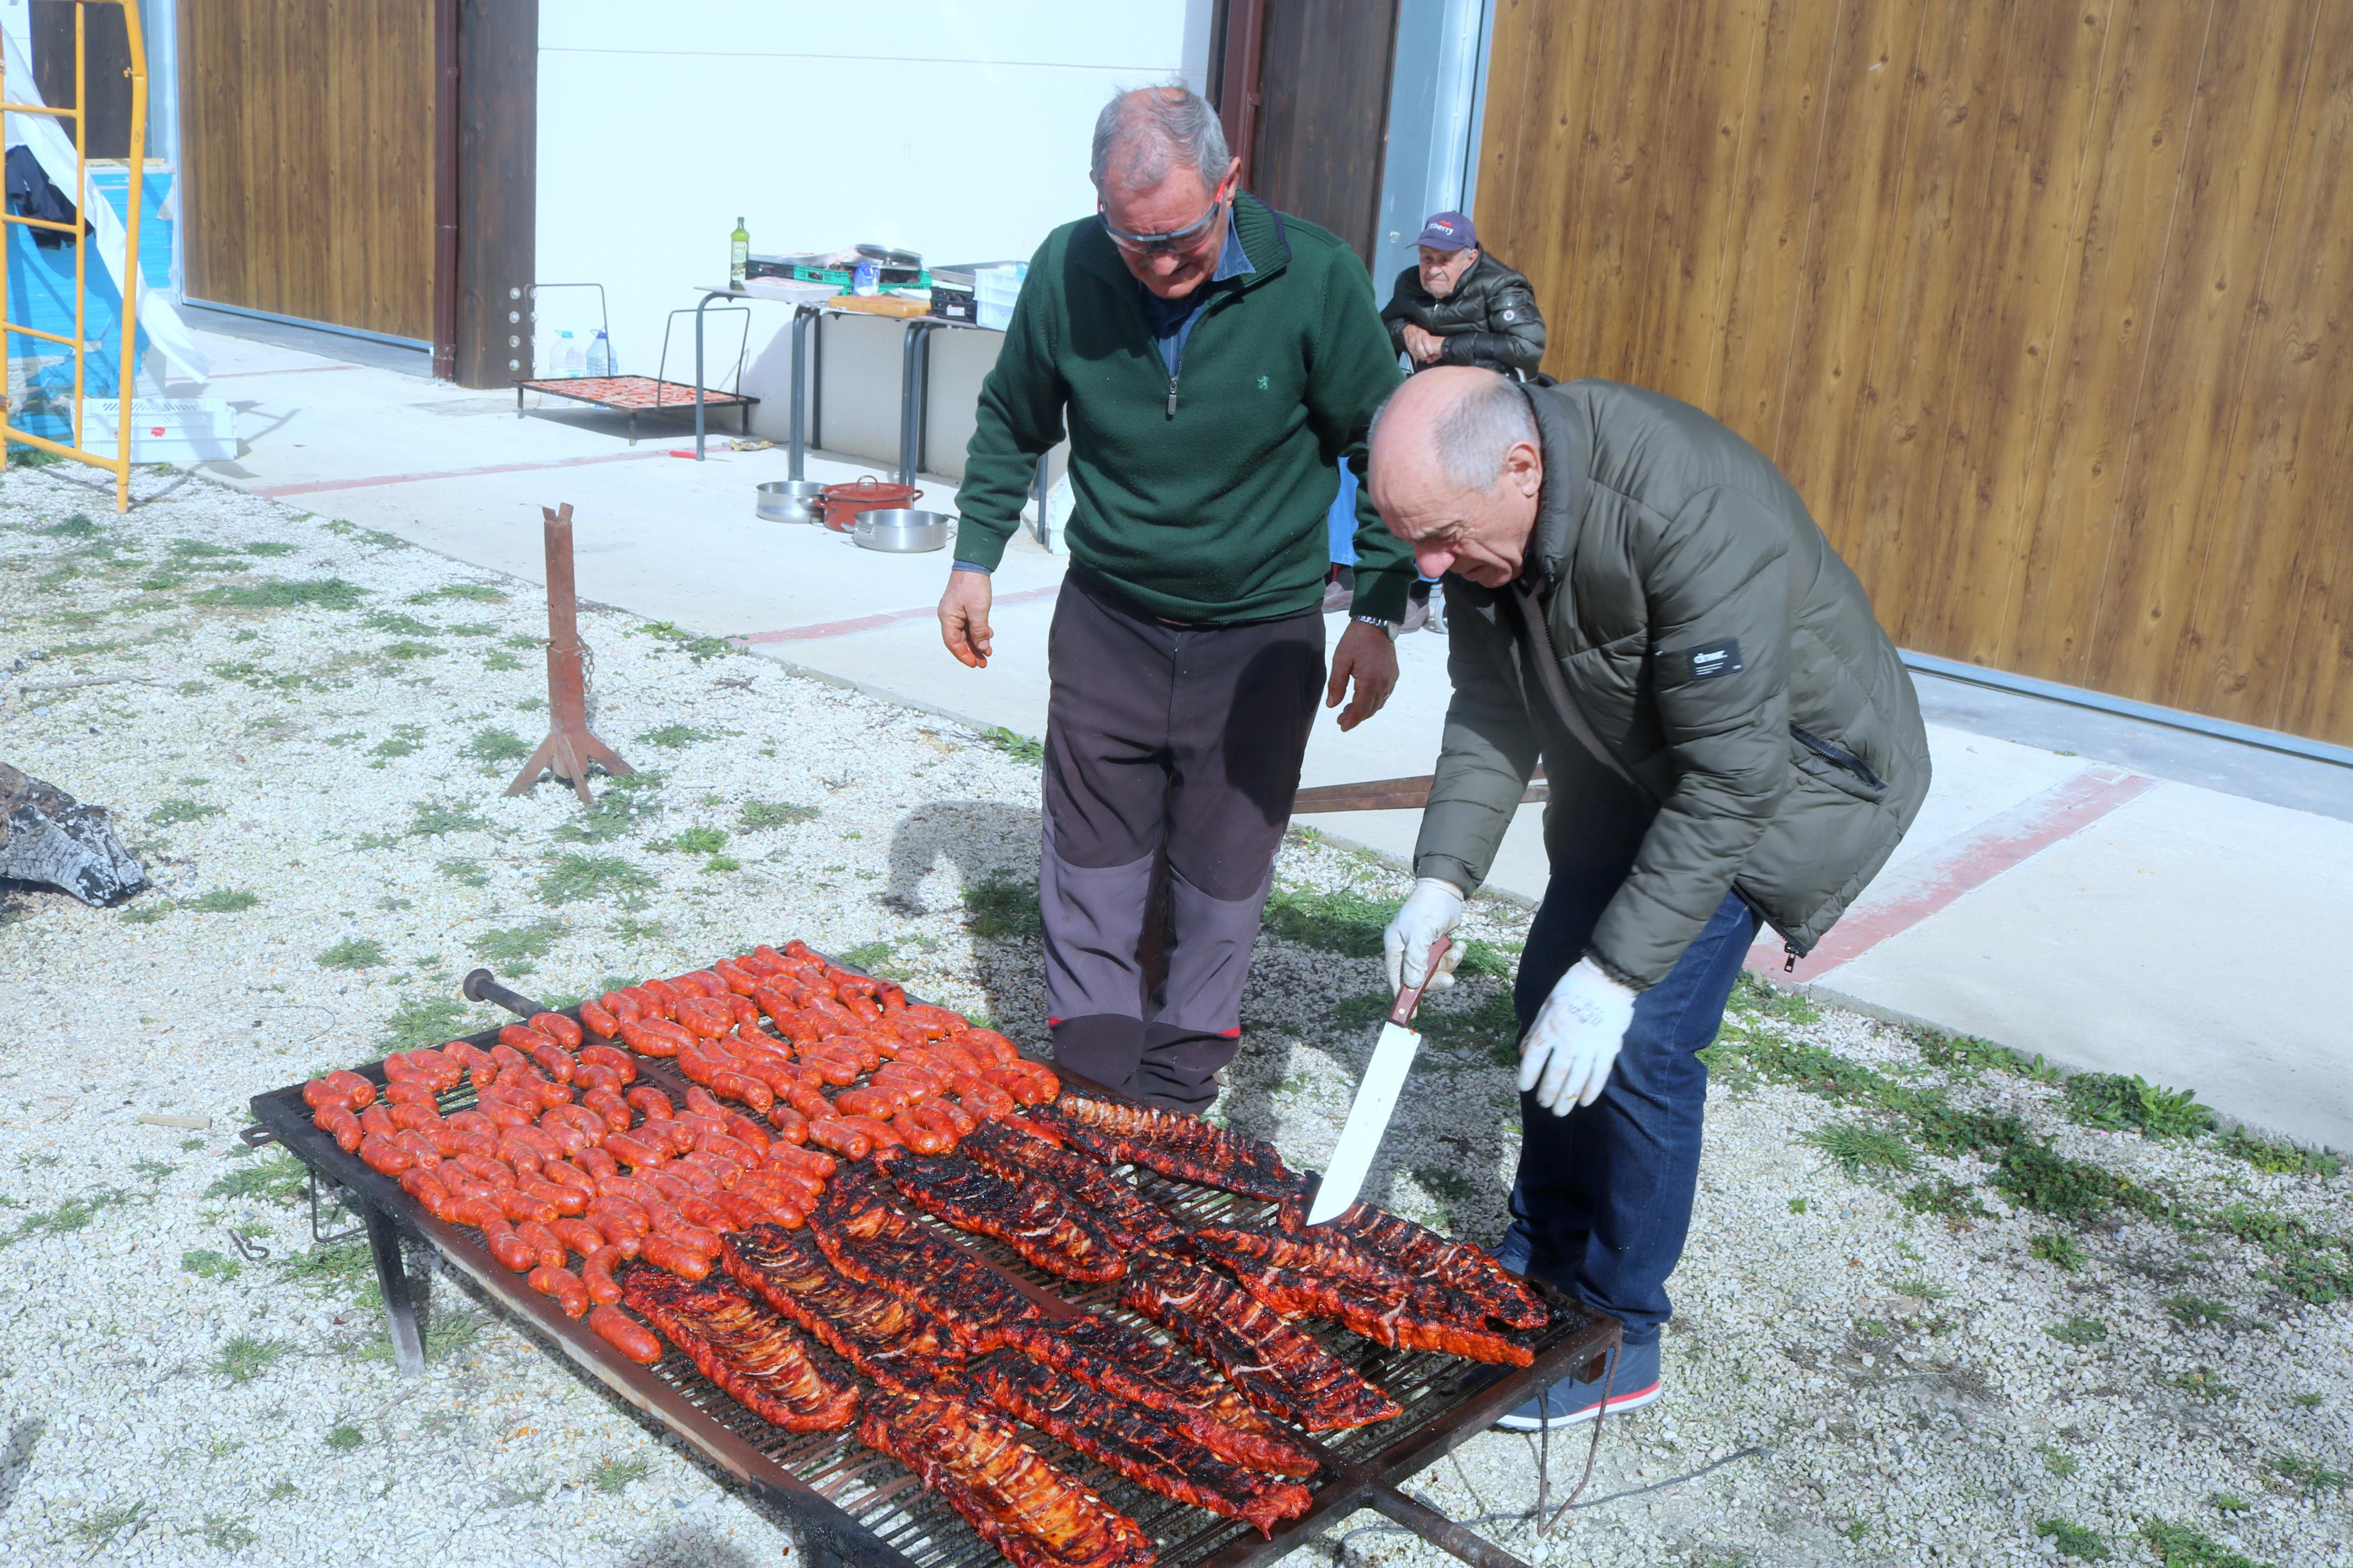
135	42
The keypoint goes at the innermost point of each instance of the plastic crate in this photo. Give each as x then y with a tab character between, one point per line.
163	429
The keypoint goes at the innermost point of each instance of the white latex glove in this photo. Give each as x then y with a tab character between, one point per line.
1567	1056
1427	913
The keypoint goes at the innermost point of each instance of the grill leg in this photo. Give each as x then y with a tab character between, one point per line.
1439	1530
383	1240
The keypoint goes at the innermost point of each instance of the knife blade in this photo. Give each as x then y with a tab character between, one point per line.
1376	1095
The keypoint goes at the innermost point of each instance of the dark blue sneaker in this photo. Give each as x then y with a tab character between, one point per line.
1634	1383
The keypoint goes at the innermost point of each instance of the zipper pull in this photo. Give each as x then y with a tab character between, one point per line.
1791	967
1172	397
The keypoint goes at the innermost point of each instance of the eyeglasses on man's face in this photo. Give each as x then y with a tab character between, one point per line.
1175	241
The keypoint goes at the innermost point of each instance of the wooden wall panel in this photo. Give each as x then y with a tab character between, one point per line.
1323	86
497	186
2042	307
306	150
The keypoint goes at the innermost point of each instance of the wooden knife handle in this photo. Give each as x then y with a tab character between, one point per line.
1410	997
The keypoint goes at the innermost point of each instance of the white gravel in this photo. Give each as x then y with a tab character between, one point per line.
1887	1377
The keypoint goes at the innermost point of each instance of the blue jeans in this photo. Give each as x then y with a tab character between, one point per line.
1603	1198
1340	522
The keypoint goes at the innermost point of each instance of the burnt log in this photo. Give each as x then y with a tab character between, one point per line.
49	837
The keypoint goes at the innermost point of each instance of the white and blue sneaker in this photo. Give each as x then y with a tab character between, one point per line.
1634	1383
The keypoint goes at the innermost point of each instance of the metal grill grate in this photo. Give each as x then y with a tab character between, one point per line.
869	1507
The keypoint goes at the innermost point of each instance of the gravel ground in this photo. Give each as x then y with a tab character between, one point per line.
307	753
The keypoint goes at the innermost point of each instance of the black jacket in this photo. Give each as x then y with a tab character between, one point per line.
1490	320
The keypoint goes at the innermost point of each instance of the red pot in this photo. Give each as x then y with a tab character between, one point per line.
842	503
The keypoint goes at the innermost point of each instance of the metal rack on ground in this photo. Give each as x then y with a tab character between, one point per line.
636	395
858	1505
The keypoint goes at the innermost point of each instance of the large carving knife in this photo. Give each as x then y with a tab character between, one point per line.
1376	1095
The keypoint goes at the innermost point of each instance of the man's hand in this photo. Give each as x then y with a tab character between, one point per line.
963	618
1424	346
1365	654
1427	913
1568	1054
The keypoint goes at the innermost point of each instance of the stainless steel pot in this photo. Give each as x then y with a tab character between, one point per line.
904	532
791	500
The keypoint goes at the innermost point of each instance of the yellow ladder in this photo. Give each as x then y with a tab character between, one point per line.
120	464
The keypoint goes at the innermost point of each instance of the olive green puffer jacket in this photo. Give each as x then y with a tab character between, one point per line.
1721	654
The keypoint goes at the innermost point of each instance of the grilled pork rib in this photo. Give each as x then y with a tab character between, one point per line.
1107	1354
1174	1145
1034	1219
1132	1220
1278	1368
1030	1511
879	1334
1425	1255
1149	1446
1314	1276
869	1238
749	1352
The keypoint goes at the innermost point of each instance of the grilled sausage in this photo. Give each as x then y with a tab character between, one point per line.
610	1109
553	1061
580	1235
562	1199
626	1335
791	1126
598	1021
845	1140
561	1286
596	1274
669	1252
617	1232
879	1133
559	1028
543	1243
655	1037
514	1253
596	1163
607	1056
338	1122
652	1101
923	1140
788	1157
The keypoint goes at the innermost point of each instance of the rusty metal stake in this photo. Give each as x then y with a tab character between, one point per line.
569	748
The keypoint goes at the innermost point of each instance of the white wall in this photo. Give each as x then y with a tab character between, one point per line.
958	128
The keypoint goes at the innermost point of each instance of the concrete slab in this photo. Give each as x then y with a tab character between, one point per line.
2092	913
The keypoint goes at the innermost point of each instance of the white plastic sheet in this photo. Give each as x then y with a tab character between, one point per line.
51	144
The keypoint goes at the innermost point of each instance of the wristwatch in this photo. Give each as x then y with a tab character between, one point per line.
1377	625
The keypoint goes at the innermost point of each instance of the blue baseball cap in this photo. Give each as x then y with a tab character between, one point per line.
1449	231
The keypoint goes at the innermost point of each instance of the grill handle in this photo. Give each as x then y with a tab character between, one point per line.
481	985
1439	1530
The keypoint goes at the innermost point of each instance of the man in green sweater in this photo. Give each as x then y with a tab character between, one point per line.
1212	360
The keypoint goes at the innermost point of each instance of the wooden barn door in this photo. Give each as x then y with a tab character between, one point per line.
1311	126
307	160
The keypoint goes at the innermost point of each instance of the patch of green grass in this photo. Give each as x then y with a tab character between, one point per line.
2059	1249
1372	1007
2198	1312
2058	1460
1753	994
722	863
465	873
408	649
154	583
493	745
500	659
77	526
2035	1176
225	1532
115	1524
2307	1401
1863	1151
571	878
431	819
173	812
512	945
394	621
1002	905
1943	1195
345	1438
199	549
1340	921
759	814
1020	748
245	1358
354	952
74	1213
2079	1331
2228	1502
613	1475
2114	1101
280	1491
635	930
1967	1055
276	1177
697	648
2313	1265
1447	1186
221	901
675	737
422	1021
2278	1157
269	548
206	1263
287	594
345	1271
2179	1546
628	803
473	593
2205	1385
148	913
2074	1539
1920	1288
1490	1024
692	841
865	955
2311	1474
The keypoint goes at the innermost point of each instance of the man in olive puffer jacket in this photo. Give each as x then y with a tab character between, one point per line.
1641	600
1458	305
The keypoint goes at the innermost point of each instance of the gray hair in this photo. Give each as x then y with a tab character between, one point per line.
1472	437
1155	130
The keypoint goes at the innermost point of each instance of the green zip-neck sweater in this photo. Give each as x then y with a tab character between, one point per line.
1202	497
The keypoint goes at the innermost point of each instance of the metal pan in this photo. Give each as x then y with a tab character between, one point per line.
791	500
904	532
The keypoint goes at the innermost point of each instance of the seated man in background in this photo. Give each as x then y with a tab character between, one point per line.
1459	306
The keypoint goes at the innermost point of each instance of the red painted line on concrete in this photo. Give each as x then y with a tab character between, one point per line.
313	485
289	370
1934	881
888	617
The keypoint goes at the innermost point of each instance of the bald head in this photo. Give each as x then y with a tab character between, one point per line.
1145	136
1456	470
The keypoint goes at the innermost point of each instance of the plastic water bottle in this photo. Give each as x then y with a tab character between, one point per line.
600	355
567	356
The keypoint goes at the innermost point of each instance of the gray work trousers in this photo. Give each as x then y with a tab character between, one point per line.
1180	740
